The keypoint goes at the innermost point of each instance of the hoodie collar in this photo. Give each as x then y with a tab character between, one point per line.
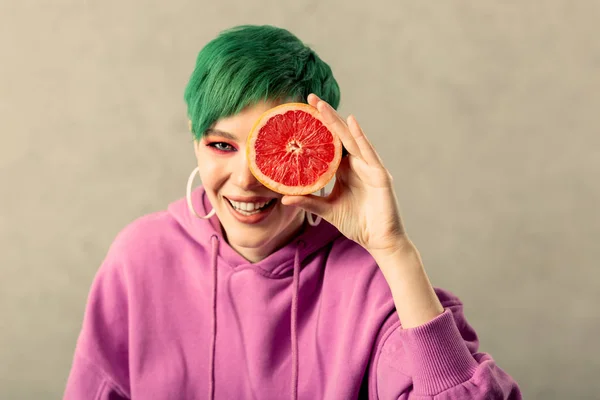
280	263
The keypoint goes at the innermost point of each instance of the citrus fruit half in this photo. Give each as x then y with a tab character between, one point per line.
291	151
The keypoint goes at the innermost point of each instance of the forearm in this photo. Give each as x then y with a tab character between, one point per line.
414	297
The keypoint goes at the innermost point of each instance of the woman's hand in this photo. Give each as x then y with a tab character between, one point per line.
362	205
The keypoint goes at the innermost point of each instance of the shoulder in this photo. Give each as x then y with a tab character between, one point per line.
352	271
351	256
147	237
149	227
351	264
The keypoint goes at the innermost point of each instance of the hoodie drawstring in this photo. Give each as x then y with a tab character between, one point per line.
294	319
295	286
213	330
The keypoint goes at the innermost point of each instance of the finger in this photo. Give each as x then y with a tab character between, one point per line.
366	148
311	203
336	124
312	99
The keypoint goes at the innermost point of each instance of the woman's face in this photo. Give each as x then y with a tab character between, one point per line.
236	194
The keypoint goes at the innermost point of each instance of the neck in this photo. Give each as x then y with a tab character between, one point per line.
256	254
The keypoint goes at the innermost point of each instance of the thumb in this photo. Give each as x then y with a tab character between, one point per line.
314	204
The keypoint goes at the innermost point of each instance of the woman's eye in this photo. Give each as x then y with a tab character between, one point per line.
222	146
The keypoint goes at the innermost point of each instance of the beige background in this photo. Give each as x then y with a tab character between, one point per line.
485	112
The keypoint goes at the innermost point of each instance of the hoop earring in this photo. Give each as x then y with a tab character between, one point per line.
188	196
309	216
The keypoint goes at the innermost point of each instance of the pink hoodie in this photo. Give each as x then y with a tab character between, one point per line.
175	313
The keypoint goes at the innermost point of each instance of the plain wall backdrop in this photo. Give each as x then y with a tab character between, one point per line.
486	114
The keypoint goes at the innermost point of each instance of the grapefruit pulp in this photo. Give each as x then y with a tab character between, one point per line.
291	151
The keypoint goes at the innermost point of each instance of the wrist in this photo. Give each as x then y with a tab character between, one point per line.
401	246
415	299
400	261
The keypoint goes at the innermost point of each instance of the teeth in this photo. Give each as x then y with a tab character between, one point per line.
249	208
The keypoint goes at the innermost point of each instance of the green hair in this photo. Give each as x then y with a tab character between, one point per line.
248	64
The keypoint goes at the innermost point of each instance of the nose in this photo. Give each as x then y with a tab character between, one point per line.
244	177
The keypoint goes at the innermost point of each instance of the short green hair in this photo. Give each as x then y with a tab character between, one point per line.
248	64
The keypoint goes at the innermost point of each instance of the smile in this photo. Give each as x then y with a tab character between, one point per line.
250	208
251	212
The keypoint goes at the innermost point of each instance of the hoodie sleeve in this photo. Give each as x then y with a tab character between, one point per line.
99	369
438	360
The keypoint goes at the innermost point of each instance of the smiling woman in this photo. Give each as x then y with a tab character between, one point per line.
229	293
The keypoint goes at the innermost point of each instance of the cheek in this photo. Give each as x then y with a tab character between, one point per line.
207	173
211	171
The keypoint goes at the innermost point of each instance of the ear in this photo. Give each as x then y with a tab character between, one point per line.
196	147
196	142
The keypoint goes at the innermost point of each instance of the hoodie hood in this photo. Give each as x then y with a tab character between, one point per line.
287	260
280	263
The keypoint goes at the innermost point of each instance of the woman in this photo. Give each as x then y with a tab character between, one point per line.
202	301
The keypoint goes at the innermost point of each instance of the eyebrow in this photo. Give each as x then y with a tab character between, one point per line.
216	132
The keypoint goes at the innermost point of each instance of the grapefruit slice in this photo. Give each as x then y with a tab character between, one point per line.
291	151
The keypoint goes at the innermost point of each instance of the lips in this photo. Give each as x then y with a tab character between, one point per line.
251	217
